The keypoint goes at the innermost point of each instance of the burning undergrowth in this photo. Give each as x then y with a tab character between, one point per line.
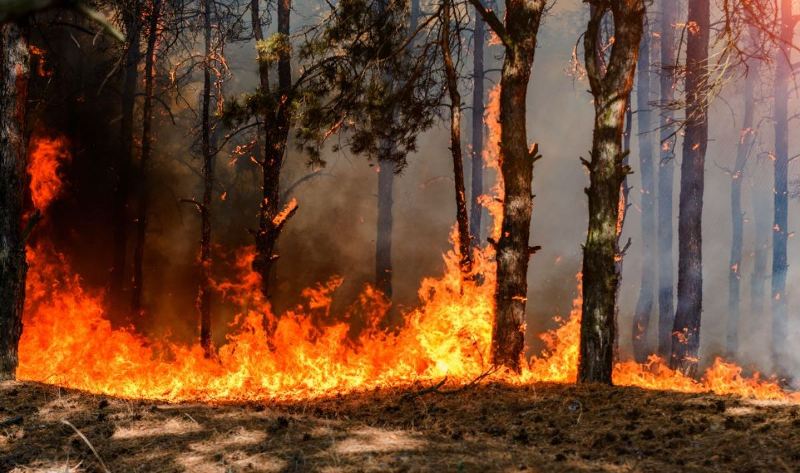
307	351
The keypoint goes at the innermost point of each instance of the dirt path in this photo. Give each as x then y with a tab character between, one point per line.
541	428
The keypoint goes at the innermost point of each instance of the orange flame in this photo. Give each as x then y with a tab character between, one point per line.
67	340
491	160
46	155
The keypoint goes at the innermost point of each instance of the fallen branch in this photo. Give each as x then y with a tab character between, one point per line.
91	447
474	382
435	387
428	390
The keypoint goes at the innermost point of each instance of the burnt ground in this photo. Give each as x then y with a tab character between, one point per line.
538	428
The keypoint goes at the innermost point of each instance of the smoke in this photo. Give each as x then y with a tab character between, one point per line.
333	233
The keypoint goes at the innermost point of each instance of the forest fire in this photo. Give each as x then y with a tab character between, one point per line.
393	235
68	341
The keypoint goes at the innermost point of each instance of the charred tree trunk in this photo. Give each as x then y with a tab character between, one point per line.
611	91
518	35
120	220
14	71
478	108
686	330
780	265
666	177
144	159
273	215
744	147
647	289
462	218
204	294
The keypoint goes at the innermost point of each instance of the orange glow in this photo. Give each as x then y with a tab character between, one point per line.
46	155
306	352
491	160
68	341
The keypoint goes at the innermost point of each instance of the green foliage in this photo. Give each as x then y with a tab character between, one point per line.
271	49
373	85
363	80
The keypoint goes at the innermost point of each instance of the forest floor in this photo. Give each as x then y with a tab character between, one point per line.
492	427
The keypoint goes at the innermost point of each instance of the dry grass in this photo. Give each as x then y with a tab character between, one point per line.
492	427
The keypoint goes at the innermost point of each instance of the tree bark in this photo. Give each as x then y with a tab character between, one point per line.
666	177
386	174
644	304
478	108
780	265
120	220
462	218
144	161
14	76
383	240
204	294
746	138
519	35
611	91
686	330
273	215
762	200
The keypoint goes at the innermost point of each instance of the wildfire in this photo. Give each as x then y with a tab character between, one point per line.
305	352
68	341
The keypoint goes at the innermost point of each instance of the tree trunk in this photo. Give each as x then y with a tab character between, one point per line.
272	214
686	330
204	295
14	75
744	147
383	241
624	205
762	200
780	264
119	224
644	304
144	160
386	174
666	176
462	218
611	91
478	108
519	35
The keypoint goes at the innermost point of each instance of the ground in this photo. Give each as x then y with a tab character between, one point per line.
490	427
